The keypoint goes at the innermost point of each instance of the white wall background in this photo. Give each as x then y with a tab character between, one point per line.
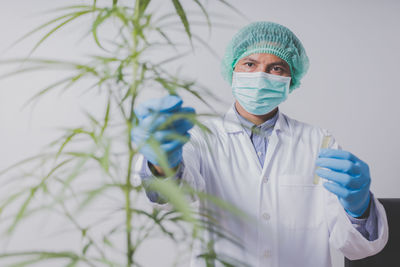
351	89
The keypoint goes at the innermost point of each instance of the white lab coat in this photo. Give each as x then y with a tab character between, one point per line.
295	222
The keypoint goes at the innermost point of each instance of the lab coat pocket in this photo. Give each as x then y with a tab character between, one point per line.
300	202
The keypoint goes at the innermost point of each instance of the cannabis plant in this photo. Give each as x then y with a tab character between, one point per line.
85	179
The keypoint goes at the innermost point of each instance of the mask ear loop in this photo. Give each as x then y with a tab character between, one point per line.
325	144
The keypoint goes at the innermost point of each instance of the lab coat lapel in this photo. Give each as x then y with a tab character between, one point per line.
280	127
232	125
273	143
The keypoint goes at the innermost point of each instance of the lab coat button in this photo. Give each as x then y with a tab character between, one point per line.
265	180
259	153
266	216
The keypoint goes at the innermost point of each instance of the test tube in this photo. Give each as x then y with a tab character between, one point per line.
325	143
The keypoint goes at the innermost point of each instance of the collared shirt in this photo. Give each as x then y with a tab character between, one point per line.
258	134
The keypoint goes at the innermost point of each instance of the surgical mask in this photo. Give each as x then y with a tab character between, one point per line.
259	92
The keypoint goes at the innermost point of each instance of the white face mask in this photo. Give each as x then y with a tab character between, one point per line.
259	92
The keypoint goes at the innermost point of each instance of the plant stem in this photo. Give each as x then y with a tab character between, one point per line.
128	213
128	187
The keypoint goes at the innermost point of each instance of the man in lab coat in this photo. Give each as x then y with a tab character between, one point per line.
264	163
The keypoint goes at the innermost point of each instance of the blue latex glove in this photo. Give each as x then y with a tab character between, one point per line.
348	178
152	118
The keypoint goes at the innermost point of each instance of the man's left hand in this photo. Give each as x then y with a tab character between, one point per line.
348	178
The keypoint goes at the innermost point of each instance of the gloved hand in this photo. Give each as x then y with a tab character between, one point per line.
153	116
348	178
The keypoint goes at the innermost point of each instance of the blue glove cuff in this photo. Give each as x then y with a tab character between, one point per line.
362	210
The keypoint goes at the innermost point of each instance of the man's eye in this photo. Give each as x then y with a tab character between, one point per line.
277	69
249	64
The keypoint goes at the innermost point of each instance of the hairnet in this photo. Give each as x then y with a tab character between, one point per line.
266	37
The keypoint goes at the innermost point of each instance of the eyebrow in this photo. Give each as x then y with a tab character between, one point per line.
250	59
279	62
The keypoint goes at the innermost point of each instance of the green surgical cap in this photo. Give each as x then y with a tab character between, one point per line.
266	37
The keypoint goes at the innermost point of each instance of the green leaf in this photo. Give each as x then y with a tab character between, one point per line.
75	172
171	191
101	17
59	26
225	206
28	262
86	247
166	37
11	199
74	7
107	242
205	14
143	5
161	156
42	27
66	141
206	45
123	16
105	159
42	254
20	71
173	58
91	196
234	8
47	89
72	263
106	117
181	13
24	161
33	190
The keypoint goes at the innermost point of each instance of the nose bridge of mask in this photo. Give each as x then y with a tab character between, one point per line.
260	80
259	94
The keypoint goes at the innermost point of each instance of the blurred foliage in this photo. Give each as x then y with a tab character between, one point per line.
95	161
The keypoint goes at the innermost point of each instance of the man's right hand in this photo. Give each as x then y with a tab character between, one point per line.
152	118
